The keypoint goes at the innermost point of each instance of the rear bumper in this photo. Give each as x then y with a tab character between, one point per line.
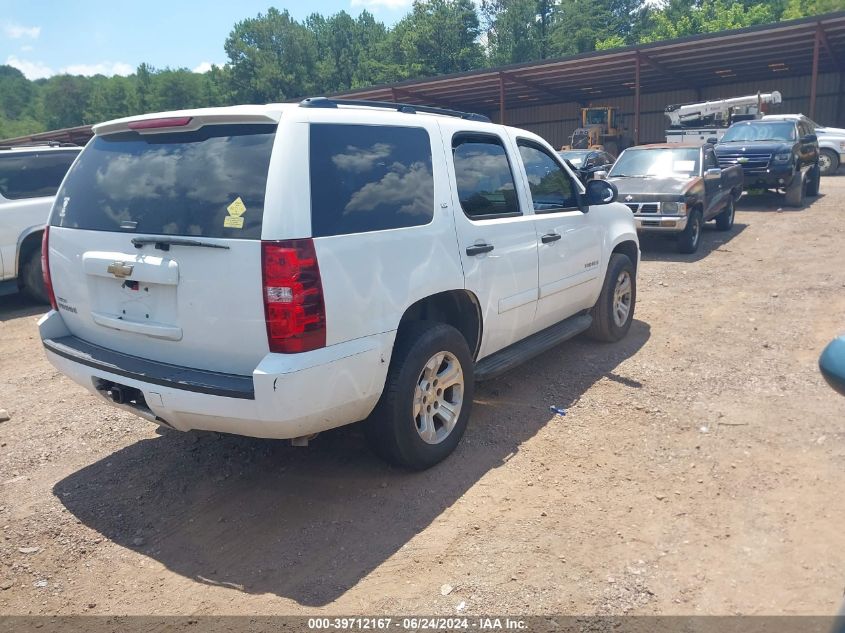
287	395
661	224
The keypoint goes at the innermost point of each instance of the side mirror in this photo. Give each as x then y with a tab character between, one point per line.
712	140
600	192
809	138
601	174
713	172
832	364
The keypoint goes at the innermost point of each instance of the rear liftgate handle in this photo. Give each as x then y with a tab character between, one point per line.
478	249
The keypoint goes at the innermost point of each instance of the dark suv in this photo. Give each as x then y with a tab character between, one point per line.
774	155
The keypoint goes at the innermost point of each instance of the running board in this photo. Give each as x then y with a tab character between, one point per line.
526	349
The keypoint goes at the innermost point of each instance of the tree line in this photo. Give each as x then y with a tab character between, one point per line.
274	57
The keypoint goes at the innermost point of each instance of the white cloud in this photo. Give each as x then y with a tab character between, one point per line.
204	67
32	70
103	68
26	48
38	70
17	31
386	4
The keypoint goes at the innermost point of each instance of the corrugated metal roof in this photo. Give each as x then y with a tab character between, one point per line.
782	49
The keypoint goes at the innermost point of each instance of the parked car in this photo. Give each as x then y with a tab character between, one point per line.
29	178
832	364
588	162
774	155
831	141
675	188
204	276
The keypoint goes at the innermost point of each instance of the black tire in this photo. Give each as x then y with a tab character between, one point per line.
32	279
604	326
725	220
392	429
828	162
690	237
794	195
814	180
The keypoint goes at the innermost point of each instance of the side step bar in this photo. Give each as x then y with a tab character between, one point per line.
526	349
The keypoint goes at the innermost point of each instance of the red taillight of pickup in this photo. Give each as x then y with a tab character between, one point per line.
45	267
294	309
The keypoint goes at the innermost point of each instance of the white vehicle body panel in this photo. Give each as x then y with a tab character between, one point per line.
202	308
18	219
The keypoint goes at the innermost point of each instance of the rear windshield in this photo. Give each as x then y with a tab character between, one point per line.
33	174
207	183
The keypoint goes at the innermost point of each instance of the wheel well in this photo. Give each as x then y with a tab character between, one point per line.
31	242
628	248
458	308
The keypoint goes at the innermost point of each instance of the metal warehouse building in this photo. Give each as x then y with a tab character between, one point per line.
803	59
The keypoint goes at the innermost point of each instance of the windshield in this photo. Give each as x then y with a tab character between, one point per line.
576	158
761	131
661	162
205	183
596	116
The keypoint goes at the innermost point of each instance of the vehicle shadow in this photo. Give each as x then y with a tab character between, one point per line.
773	202
308	524
19	305
655	247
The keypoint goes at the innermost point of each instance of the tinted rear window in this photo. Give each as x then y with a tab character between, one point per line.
369	178
33	174
207	183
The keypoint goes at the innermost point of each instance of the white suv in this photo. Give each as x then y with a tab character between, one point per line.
29	178
281	270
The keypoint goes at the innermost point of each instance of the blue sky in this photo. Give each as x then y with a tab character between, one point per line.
43	38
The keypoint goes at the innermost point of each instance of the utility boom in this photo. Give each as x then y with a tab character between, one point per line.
698	122
720	113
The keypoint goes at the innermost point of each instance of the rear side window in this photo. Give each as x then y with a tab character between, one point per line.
206	183
369	178
485	181
33	174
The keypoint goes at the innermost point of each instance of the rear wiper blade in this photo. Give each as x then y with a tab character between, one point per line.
164	243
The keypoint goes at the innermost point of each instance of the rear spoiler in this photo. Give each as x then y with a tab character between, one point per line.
187	121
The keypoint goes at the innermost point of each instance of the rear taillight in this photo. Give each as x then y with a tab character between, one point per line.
293	296
45	267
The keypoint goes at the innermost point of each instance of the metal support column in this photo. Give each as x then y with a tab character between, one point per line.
814	78
637	98
501	99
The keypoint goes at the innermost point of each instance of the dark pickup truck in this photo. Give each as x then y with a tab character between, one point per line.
780	155
675	188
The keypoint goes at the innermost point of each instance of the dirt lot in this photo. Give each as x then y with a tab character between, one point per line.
698	470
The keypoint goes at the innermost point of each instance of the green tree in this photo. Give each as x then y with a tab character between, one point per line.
804	8
272	57
517	30
684	17
16	92
580	25
437	37
65	100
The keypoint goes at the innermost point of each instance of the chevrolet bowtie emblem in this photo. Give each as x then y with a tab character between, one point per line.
742	160
628	198
120	269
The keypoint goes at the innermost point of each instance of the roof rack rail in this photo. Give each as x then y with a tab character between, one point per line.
40	144
323	102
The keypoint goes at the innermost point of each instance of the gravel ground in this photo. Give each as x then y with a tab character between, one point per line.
697	471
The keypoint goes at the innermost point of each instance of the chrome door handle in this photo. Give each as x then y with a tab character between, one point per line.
478	249
550	237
